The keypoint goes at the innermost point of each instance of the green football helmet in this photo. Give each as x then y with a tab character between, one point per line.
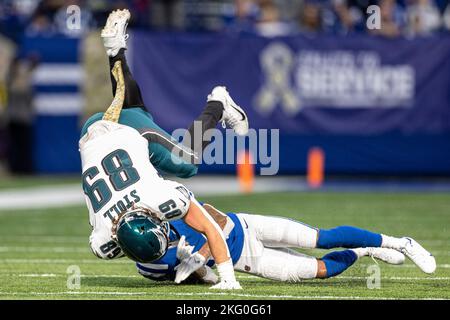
141	237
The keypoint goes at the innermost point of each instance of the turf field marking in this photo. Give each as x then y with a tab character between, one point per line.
42	238
439	266
42	197
62	261
41	275
191	294
48	275
395	278
45	249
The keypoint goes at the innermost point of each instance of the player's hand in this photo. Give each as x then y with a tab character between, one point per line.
184	251
188	266
227	285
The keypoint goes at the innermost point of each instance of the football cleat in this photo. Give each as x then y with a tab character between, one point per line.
227	285
114	33
233	116
390	256
421	257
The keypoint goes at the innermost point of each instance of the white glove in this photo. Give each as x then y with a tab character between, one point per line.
227	285
184	250
188	266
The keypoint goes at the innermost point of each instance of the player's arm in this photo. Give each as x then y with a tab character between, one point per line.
201	221
221	221
194	262
182	205
205	251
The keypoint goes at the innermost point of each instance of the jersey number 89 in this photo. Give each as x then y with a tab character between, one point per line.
119	168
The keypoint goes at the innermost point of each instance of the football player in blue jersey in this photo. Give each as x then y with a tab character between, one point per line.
259	245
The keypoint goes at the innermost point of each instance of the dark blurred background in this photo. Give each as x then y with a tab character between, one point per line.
375	101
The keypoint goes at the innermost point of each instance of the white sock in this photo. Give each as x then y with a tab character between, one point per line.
226	271
360	252
392	242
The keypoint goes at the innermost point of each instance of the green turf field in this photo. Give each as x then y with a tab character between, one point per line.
37	247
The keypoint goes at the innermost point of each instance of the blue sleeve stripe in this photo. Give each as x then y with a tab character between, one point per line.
236	239
146	269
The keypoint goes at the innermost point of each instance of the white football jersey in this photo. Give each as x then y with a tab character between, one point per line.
117	173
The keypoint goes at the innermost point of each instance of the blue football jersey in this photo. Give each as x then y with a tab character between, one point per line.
163	268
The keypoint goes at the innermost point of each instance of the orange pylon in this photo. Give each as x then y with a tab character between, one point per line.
245	171
316	167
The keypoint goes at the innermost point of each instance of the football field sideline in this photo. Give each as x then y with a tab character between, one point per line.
63	195
72	194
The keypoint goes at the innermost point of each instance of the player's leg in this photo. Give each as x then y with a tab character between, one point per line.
115	41
286	265
336	262
280	264
133	97
352	237
278	232
220	107
282	232
208	119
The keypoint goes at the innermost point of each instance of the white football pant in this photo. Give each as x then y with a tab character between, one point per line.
266	250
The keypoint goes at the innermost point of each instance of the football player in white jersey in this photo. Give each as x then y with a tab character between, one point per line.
120	150
118	176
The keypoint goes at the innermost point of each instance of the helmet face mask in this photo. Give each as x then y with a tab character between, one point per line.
141	237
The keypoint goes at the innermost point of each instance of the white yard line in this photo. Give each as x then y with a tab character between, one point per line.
212	294
55	275
42	197
424	278
45	249
200	294
64	261
72	194
61	275
43	238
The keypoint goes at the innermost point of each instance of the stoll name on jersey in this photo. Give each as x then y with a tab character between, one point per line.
122	205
